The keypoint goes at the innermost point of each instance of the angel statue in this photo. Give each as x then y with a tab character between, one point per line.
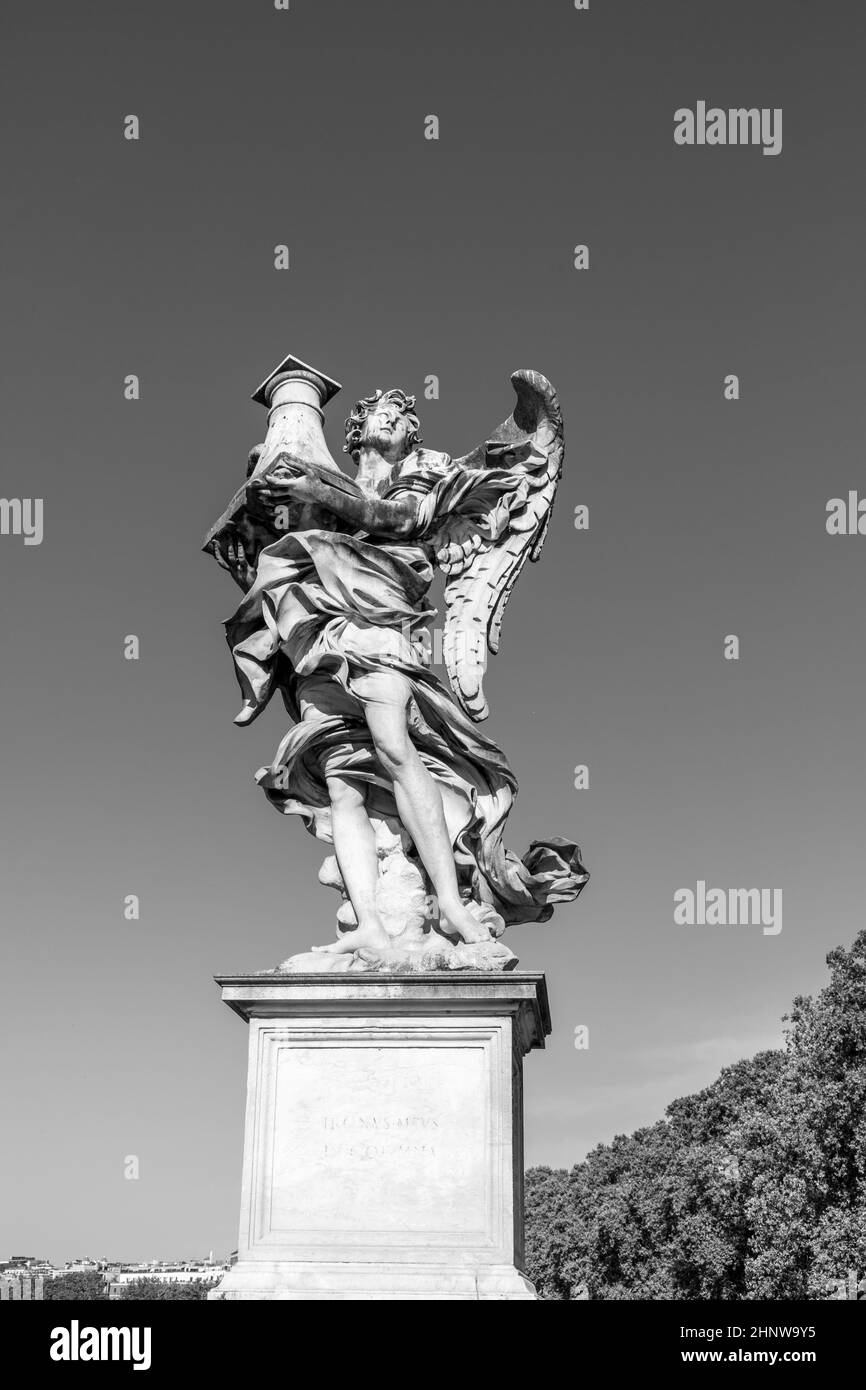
383	761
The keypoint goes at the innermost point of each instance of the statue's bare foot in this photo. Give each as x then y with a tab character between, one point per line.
459	921
369	935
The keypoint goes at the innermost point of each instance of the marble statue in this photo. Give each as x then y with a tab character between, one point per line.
383	761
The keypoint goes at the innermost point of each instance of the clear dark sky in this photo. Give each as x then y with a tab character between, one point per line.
411	257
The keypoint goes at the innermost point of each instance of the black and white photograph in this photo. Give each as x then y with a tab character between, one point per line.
432	578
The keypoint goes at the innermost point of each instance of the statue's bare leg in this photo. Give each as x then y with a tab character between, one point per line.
419	803
355	848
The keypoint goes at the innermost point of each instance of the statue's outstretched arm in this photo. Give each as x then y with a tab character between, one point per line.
290	480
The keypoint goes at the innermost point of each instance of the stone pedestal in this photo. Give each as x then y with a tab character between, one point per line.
383	1150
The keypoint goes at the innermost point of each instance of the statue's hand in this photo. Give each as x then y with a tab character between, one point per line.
283	483
236	562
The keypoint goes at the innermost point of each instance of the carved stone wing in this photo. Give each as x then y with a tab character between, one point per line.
482	559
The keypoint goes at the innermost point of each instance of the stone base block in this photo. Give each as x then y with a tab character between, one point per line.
360	1282
383	1150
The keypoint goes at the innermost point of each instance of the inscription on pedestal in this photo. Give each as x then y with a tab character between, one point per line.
372	1139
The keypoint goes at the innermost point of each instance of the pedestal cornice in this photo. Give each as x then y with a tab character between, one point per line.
519	994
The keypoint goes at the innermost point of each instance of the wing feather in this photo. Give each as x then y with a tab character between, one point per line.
476	594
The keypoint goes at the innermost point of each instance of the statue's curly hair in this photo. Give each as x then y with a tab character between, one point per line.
362	408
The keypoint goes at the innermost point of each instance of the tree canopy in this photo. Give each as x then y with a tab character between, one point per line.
87	1285
163	1290
752	1188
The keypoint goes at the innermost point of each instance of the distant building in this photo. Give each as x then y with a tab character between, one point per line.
23	1276
24	1286
167	1272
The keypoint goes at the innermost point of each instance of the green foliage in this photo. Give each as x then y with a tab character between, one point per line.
160	1289
753	1188
87	1286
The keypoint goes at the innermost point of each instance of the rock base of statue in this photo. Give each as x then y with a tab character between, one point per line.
383	1150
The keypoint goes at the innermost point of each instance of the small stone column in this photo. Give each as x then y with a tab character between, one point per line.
295	395
383	1149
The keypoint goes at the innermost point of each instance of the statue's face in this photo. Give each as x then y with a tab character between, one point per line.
387	429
